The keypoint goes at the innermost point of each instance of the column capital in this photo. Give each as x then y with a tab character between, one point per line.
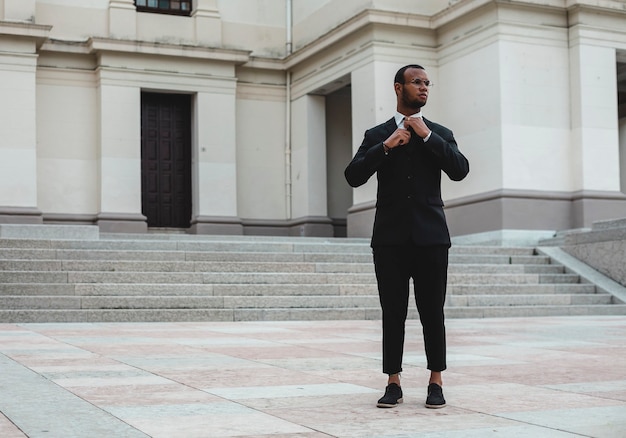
206	8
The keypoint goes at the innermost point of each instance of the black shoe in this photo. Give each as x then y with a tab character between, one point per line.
435	398
392	397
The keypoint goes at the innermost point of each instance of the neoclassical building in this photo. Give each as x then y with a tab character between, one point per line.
239	116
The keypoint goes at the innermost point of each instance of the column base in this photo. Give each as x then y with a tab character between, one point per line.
122	223
532	210
312	226
20	215
511	210
220	225
360	220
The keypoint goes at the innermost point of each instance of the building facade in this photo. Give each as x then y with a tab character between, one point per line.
239	116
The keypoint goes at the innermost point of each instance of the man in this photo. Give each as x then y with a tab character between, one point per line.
410	237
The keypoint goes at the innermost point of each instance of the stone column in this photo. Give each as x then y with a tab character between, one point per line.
373	102
215	165
18	118
595	135
120	157
308	167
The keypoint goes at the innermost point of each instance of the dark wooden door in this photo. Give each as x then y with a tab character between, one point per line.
166	159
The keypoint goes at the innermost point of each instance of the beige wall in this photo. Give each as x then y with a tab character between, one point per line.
529	89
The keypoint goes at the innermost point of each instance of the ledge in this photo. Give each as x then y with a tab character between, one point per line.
95	45
38	32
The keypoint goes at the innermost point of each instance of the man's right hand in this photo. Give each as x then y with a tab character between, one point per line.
399	137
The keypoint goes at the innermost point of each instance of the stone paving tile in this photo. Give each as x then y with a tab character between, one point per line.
204	420
607	421
512	377
240	377
143	395
8	429
615	389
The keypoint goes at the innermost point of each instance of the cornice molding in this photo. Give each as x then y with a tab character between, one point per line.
162	49
99	45
21	29
360	21
603	5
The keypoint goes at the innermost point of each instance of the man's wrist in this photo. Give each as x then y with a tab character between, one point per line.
386	148
427	136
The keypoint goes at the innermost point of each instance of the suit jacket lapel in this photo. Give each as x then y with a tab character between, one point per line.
390	126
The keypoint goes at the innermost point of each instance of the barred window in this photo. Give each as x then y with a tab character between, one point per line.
177	7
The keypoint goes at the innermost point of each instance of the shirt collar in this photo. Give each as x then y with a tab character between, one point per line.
400	118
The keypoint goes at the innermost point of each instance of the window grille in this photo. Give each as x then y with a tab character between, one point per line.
177	7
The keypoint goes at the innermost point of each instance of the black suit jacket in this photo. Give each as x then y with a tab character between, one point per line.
409	207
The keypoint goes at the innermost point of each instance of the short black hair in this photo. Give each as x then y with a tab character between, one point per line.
399	78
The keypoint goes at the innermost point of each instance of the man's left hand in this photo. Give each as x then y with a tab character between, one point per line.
418	126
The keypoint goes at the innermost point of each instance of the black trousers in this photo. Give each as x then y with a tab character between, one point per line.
428	267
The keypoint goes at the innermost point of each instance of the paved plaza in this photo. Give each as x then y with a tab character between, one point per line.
509	377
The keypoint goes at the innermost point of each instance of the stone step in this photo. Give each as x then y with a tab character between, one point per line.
37	289
260	277
562	299
275	302
532	311
222	246
174	315
164	256
185	302
524	289
257	256
185	315
234	266
543	269
128	289
170	266
181	277
230	244
286	289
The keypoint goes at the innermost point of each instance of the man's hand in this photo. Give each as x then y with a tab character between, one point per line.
417	125
399	137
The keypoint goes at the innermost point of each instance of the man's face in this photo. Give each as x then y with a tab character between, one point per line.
414	92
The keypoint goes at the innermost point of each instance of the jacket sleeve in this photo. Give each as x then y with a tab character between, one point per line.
367	160
443	146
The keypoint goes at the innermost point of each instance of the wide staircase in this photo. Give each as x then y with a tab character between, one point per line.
179	277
